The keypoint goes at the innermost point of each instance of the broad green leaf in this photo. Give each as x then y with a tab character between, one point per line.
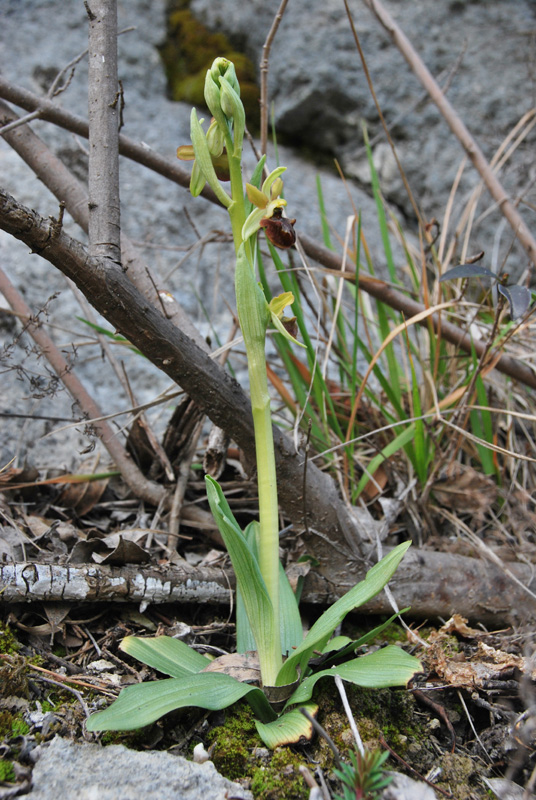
347	647
390	666
144	703
374	581
289	728
165	654
289	614
249	580
337	643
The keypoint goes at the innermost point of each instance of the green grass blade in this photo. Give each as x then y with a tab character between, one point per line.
390	666
144	703
165	654
380	210
322	630
323	216
398	442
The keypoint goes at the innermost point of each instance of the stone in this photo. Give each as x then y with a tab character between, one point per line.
91	772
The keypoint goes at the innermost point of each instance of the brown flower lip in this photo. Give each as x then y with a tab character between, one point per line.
279	230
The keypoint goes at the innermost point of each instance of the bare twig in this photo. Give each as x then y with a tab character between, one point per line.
264	73
457	127
131	474
68	189
103	116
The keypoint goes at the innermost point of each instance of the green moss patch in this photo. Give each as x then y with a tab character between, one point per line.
187	53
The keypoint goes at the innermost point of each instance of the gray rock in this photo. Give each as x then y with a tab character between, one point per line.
37	39
320	93
92	772
404	788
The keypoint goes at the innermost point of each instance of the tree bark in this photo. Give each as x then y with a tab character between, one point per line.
432	584
104	103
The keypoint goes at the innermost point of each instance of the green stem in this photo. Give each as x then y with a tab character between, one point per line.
268	507
264	443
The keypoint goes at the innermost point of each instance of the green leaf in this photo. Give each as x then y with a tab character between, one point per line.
390	666
289	728
144	703
289	614
248	575
374	581
165	654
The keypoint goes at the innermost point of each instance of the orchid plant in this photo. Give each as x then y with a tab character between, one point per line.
269	629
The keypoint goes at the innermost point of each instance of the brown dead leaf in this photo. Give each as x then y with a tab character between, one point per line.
10	478
474	671
461	488
244	667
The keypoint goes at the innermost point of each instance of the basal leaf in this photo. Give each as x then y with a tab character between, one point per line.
374	581
165	654
390	666
255	596
144	703
289	614
289	728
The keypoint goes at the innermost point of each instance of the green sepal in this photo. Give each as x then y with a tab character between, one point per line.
233	107
204	159
266	186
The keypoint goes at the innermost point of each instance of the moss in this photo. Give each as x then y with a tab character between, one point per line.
7	773
8	642
281	779
233	742
457	771
12	725
187	53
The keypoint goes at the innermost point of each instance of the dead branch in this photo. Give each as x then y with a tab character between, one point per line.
457	127
133	477
104	101
53	173
376	288
432	584
223	400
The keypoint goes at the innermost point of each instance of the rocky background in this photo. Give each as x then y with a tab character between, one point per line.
483	52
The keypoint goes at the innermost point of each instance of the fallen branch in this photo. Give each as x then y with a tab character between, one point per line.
432	584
